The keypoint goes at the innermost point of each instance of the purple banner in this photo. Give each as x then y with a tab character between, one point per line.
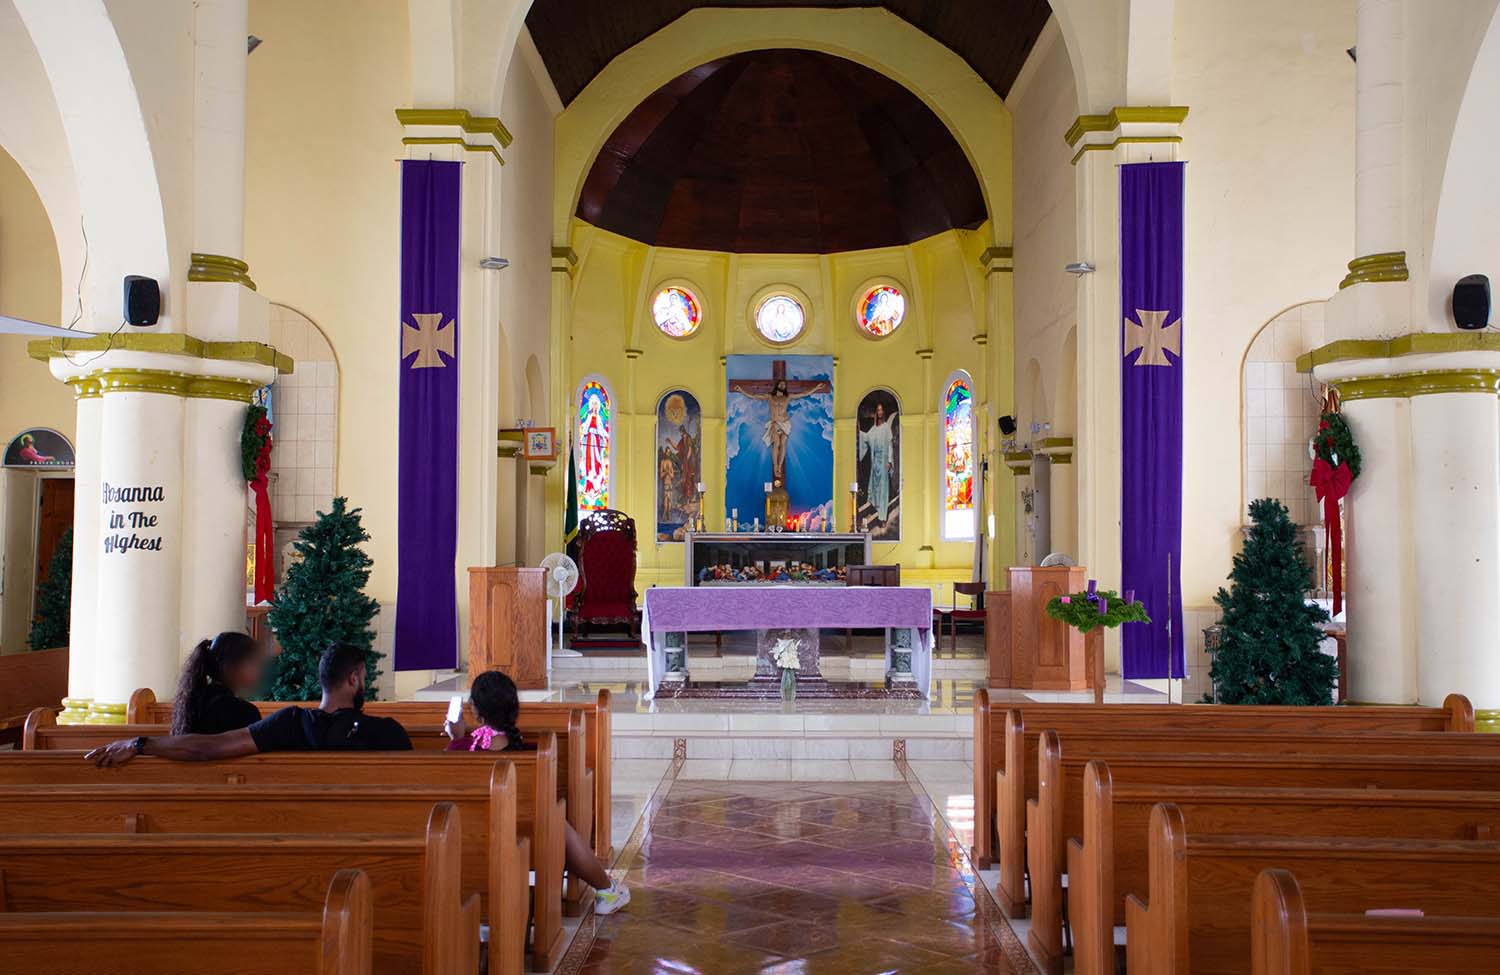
1151	203
427	465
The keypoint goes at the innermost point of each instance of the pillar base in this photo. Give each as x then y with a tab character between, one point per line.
102	713
75	710
1487	722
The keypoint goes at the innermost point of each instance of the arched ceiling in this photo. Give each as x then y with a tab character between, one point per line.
781	152
577	38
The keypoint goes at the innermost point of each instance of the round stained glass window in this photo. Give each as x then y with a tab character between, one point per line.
780	318
881	310
676	312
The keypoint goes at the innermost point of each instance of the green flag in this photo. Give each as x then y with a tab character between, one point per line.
570	516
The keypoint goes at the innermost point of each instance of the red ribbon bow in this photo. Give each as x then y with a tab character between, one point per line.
1331	484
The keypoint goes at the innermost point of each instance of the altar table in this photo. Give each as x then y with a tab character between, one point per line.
763	607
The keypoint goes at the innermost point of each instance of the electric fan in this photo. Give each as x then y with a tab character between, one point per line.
562	578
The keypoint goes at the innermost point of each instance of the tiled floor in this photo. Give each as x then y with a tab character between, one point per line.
775	878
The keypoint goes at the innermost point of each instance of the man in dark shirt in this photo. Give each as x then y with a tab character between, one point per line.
338	723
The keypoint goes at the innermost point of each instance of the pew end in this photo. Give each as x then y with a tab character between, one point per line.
1460	713
983	851
1156	940
1091	878
36	718
1010	817
509	865
1044	848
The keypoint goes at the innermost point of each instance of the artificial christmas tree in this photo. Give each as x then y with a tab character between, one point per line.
54	599
1268	650
323	602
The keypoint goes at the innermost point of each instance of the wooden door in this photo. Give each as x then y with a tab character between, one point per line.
54	517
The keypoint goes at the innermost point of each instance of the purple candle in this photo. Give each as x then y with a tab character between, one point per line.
1129	596
1093	584
1103	605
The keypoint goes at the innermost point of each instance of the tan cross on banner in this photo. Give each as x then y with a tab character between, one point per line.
427	339
1153	337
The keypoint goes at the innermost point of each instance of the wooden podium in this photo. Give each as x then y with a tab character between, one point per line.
508	624
1028	649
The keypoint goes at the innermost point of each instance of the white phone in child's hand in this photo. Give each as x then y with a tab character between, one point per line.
455	708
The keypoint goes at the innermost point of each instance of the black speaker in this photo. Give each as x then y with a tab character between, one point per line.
1007	424
1471	301
142	300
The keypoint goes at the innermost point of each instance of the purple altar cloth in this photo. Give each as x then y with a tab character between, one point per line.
762	607
706	608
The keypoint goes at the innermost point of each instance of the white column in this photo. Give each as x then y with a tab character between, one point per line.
1097	441
139	512
213	521
1381	605
1456	483
83	616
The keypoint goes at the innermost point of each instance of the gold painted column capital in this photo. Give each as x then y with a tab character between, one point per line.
454	127
1126	126
220	269
1377	268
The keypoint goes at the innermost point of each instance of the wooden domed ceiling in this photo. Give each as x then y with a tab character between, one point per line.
781	152
577	38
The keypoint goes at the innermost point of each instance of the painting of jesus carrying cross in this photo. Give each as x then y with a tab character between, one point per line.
779	426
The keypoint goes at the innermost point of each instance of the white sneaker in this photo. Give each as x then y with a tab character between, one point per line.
611	900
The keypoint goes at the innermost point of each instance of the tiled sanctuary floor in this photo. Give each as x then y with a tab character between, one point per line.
811	878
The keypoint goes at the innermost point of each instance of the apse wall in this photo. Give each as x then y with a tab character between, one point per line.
613	337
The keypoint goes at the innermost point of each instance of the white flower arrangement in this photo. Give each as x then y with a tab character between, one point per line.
784	655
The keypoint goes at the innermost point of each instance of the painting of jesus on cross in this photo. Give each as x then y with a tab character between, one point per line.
779	426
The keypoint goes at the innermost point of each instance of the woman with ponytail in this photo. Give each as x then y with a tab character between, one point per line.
216	672
494	699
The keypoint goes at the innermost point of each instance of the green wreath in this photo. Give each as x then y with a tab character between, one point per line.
1334	443
1081	611
255	436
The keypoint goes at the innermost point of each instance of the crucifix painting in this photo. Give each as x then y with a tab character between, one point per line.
779	427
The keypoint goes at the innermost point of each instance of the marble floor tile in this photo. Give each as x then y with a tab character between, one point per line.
813	877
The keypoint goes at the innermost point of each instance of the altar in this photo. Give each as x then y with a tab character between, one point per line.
904	612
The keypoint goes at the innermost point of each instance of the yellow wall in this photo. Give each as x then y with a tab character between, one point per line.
1269	223
322	221
29	288
946	305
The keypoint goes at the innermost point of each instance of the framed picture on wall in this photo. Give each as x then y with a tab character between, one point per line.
541	443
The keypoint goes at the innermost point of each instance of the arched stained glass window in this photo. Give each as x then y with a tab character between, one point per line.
958	459
881	310
676	312
595	438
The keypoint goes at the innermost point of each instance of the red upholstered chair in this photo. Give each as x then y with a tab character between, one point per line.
606	568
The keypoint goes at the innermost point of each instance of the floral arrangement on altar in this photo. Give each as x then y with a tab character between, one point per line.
1085	611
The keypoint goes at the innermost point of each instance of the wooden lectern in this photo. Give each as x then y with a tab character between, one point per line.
1028	649
508	624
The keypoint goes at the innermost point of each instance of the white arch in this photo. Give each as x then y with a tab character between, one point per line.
1466	231
117	180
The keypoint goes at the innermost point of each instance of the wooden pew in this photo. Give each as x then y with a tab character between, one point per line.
423	922
576	782
335	941
1108	861
1013	791
1287	940
1456	714
490	846
36	678
420	716
1196	919
1057	812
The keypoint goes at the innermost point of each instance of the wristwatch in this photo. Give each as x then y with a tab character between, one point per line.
140	745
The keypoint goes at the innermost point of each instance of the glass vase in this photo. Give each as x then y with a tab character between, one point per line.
788	684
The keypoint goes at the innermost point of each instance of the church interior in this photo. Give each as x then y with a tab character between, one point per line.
910	487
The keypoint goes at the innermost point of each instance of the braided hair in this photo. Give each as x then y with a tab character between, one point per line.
495	700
